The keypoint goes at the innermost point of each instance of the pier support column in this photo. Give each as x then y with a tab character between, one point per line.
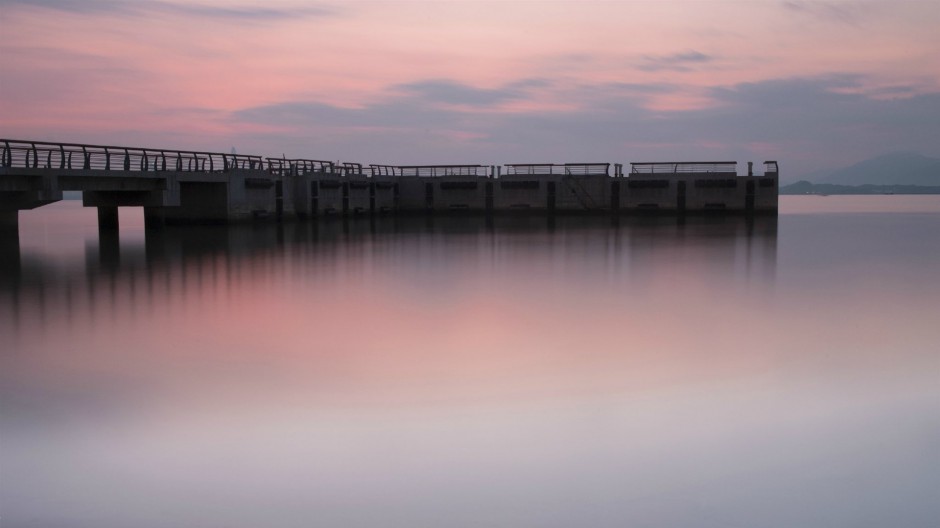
9	248
107	218
154	218
9	220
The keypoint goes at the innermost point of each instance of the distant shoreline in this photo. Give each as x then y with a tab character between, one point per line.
805	187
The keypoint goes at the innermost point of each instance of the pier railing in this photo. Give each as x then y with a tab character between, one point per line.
430	171
284	166
351	169
563	169
76	156
684	167
770	168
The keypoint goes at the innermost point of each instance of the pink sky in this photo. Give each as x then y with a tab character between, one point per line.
814	84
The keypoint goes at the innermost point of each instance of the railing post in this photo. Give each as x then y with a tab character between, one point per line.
35	157
144	162
87	163
163	161
107	159
127	160
7	155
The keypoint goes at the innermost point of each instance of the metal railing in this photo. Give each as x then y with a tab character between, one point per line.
564	169
770	168
430	171
286	166
75	156
684	167
351	169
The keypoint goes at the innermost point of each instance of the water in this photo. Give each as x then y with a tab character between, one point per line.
410	373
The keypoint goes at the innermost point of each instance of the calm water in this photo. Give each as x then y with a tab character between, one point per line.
781	373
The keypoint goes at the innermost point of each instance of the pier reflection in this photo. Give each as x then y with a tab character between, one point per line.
433	252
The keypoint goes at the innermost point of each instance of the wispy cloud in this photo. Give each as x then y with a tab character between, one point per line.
144	7
455	93
810	122
684	61
850	13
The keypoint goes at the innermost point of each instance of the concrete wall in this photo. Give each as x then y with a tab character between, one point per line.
456	193
358	190
327	195
414	194
648	194
582	193
247	195
521	192
701	193
252	194
200	202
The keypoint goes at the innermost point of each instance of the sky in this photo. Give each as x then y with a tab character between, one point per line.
813	84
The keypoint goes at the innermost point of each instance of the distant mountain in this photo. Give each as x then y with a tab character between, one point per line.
898	168
805	187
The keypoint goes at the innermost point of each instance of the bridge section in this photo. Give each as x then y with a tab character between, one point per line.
173	186
177	186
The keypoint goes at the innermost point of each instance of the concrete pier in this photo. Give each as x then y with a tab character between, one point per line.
186	187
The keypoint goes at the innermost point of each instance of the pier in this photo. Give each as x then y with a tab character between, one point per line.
179	187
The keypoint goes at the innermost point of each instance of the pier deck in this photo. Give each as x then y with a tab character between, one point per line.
175	186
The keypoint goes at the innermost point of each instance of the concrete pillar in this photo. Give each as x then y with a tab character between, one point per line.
9	220
9	250
107	218
154	218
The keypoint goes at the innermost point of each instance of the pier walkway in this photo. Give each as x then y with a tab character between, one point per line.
178	186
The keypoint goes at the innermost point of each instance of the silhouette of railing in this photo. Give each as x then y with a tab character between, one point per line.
565	169
430	171
76	156
284	166
684	167
351	169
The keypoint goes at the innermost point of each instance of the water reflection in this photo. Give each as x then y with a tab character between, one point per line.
512	372
173	261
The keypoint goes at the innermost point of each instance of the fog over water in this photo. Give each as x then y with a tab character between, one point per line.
408	372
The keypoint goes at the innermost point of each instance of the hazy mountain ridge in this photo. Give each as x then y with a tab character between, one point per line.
896	168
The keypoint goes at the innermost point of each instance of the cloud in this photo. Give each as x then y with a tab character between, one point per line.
807	123
451	92
850	13
676	62
144	7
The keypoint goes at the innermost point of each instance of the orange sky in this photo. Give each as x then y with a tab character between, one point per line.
817	83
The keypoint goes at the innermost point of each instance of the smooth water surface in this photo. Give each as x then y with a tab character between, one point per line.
409	372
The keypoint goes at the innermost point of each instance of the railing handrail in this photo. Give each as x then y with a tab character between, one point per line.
430	170
300	164
100	157
683	167
562	169
60	155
